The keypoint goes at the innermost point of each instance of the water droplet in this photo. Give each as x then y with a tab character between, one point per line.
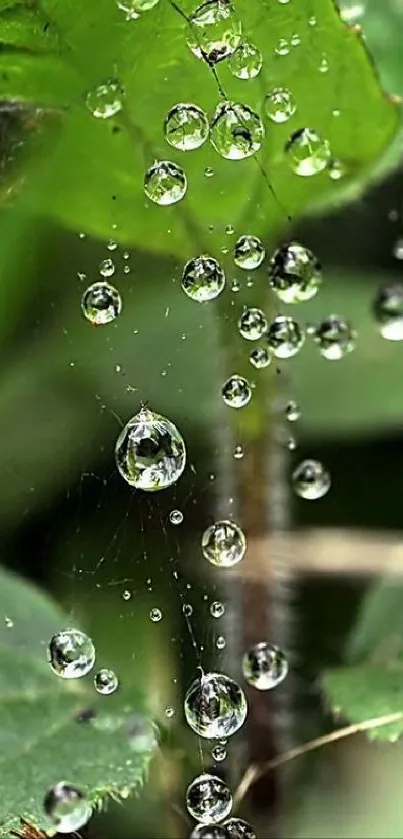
215	706
264	666
126	594
169	711
215	31
236	131
203	278
218	753
388	311
336	170
238	828
223	544
176	517
295	40
283	47
220	642
252	324
67	807
238	452
311	480
279	105
294	273
236	391
209	831
134	8
155	614
107	268
187	609
106	100
209	172
106	682
292	411
208	799
246	62
71	654
165	183
285	337
351	11
235	286
8	622
150	452
249	252
324	65
112	245
312	20
291	444
101	303
398	248
217	609
335	337
186	127
260	357
308	153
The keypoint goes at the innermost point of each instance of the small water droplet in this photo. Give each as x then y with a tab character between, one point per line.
217	609
246	62
8	622
307	152
134	8
218	753
209	172
335	338
285	337
238	452
71	654
165	183
295	40
294	273
236	391
291	444
155	614
209	831
169	711
106	100
223	544
203	278
398	248
208	799
106	682
150	452
311	480
235	286
282	47
106	268
238	828
312	20
214	31
176	517
126	594
252	324
236	131
186	127
264	666
324	65
279	105
260	357
187	610
249	252
101	303
292	411
220	642
388	311
67	807
215	706
336	170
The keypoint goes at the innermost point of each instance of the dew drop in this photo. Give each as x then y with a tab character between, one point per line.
217	609
169	712
186	127
285	337
292	411
311	480
208	799
67	807
176	517
236	391
264	666
236	131
165	183
106	682
246	62
203	278
101	303
220	642
388	311
106	100
71	654
335	338
279	105
187	610
8	622
238	452
291	444
107	268
307	152
126	594
215	706
336	170
260	357
282	47
155	614
150	452
218	753
238	828
249	252
209	831
252	324
134	8
324	65
223	544
209	172
294	273
295	40
214	31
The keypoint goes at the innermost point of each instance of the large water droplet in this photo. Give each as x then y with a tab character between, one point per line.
215	706
150	452
279	105
186	127
260	357
203	278
165	183
215	31
285	336
307	152
294	273
106	100
71	654
335	337
67	807
238	828
106	682
249	252
264	666
208	799
252	324
209	831
101	303
223	544
388	311
134	8
236	131
311	480
236	391
246	62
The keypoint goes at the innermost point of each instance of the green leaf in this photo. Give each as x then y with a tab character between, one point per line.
41	739
378	633
367	692
91	176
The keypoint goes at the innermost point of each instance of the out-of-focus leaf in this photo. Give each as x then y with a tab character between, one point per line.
365	692
382	24
92	175
378	632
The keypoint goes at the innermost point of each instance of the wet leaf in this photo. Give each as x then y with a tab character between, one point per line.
91	174
41	739
365	692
